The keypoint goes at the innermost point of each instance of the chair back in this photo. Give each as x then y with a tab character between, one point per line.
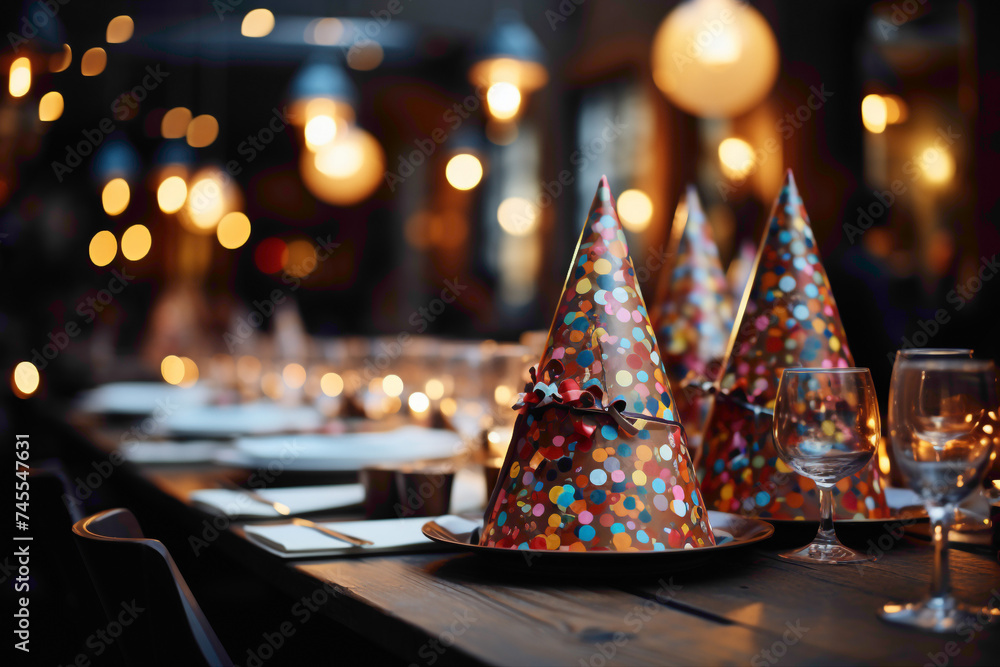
143	592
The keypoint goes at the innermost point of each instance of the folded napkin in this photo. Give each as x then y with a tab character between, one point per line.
299	499
167	452
386	534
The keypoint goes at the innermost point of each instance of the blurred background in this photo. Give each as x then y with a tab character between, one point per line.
228	179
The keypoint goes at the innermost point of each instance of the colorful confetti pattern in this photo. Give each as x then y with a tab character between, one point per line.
578	476
694	314
788	319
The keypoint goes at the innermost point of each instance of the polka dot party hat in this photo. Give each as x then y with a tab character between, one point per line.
788	318
694	314
597	461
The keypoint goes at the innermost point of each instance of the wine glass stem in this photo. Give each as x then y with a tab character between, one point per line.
826	531
941	519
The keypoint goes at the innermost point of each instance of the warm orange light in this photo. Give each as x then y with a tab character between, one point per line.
326	32
320	130
392	385
50	107
434	389
874	113
171	194
464	171
300	259
202	131
418	402
136	242
504	100
25	379
294	375
257	23
190	372
103	248
233	230
120	29
937	164
94	61
517	216
635	209
58	62
172	369
115	196
331	384
20	77
365	56
175	123
735	157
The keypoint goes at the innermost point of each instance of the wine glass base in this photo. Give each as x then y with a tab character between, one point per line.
939	614
834	554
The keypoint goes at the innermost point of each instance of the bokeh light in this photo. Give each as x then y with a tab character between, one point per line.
233	230
331	384
172	369
50	107
25	379
517	216
874	113
93	61
938	165
434	389
190	372
257	23
20	77
60	61
171	194
504	100
418	402
294	375
320	130
392	385
635	209
136	242
120	29
202	131
270	255
300	258
345	171
365	56
175	123
735	157
103	248
115	196
464	171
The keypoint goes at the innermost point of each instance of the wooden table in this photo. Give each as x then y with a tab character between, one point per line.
749	608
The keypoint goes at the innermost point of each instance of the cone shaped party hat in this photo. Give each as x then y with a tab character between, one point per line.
788	318
694	314
597	460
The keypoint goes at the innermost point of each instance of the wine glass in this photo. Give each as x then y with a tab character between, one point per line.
826	427
943	419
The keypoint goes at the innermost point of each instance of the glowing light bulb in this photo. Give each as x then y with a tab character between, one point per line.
171	194
874	113
736	157
25	379
504	100
20	77
464	171
320	131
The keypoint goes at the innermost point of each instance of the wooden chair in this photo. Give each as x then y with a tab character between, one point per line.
141	589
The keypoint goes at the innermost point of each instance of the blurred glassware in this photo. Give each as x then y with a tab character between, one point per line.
826	427
942	416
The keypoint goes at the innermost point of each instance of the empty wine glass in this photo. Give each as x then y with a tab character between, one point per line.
826	427
942	418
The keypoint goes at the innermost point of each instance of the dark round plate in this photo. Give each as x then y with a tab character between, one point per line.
856	533
732	533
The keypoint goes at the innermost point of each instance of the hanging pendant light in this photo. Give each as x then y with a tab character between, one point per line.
509	66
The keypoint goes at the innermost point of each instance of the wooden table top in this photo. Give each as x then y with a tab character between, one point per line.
750	607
